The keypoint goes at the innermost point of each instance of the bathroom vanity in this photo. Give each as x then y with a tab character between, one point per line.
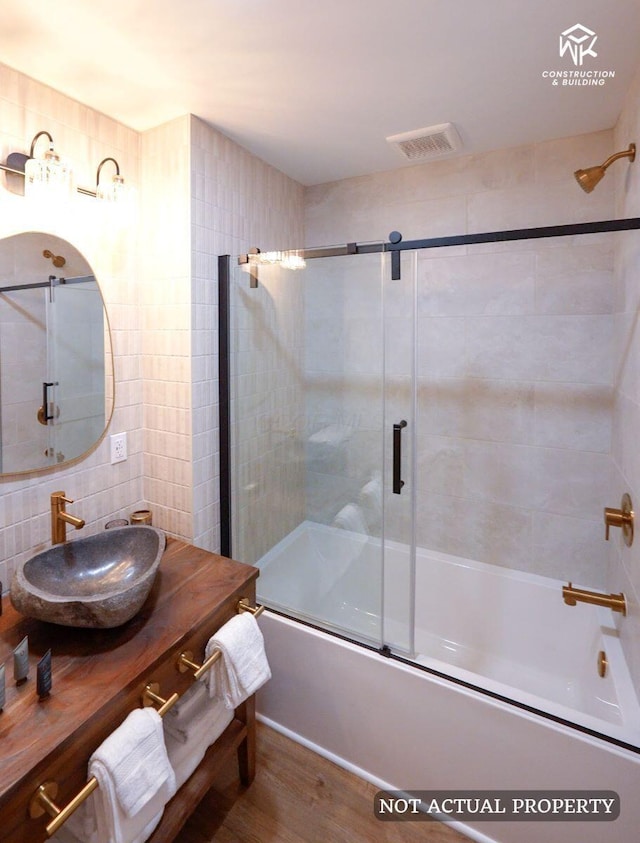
100	675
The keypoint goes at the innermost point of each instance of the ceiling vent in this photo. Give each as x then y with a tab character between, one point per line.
427	143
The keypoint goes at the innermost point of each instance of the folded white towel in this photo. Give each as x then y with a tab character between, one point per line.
188	736
332	434
243	667
81	825
371	494
183	717
351	518
197	716
135	779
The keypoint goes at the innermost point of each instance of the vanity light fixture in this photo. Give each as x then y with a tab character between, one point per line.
26	172
49	176
287	260
254	258
292	260
114	190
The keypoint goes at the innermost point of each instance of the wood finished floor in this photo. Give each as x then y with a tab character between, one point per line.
299	797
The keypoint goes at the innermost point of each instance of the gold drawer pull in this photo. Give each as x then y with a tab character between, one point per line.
186	662
150	695
42	800
245	606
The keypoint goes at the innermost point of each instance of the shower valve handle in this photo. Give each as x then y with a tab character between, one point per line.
622	518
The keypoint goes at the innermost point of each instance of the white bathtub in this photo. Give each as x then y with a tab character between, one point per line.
409	729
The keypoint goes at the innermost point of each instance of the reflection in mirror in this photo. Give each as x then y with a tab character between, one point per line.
56	372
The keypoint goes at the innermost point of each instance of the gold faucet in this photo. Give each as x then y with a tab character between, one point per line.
615	602
622	518
60	518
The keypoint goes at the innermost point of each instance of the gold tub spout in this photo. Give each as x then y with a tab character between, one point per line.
615	602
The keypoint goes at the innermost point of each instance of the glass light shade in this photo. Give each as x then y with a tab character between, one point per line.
270	257
113	191
292	260
48	178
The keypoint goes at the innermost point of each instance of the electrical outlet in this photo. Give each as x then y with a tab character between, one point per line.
118	443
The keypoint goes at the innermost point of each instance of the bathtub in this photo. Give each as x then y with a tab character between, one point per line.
500	668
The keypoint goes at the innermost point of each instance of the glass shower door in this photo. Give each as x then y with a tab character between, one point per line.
399	305
76	366
312	440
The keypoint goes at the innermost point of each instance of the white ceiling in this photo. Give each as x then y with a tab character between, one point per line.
314	86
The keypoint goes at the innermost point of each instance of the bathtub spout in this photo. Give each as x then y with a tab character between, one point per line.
615	602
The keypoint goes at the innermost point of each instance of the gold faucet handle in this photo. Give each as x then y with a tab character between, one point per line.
622	518
612	518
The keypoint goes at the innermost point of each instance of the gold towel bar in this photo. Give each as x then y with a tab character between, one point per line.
186	662
245	606
150	696
42	800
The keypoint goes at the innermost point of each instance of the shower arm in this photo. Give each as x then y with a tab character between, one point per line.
628	153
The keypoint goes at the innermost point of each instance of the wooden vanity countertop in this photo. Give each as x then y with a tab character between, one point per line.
98	671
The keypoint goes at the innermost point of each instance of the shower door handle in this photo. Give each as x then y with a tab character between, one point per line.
398	483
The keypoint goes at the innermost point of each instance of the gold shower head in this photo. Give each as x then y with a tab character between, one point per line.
589	178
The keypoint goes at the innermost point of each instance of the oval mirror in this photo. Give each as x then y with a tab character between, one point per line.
56	364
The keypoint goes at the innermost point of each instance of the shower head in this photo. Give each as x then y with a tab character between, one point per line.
589	178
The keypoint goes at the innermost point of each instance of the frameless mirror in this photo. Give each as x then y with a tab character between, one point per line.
56	365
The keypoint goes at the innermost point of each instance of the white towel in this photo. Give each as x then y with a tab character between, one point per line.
332	434
135	779
370	497
182	718
351	518
243	667
81	825
196	716
197	725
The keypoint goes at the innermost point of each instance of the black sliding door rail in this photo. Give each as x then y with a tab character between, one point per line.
597	227
399	245
224	394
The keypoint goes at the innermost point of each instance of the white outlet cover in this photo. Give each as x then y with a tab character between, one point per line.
118	447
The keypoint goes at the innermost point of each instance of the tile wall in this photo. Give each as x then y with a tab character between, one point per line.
204	196
198	194
101	491
624	562
268	406
515	344
164	285
237	202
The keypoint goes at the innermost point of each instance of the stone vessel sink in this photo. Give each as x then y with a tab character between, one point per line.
100	581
